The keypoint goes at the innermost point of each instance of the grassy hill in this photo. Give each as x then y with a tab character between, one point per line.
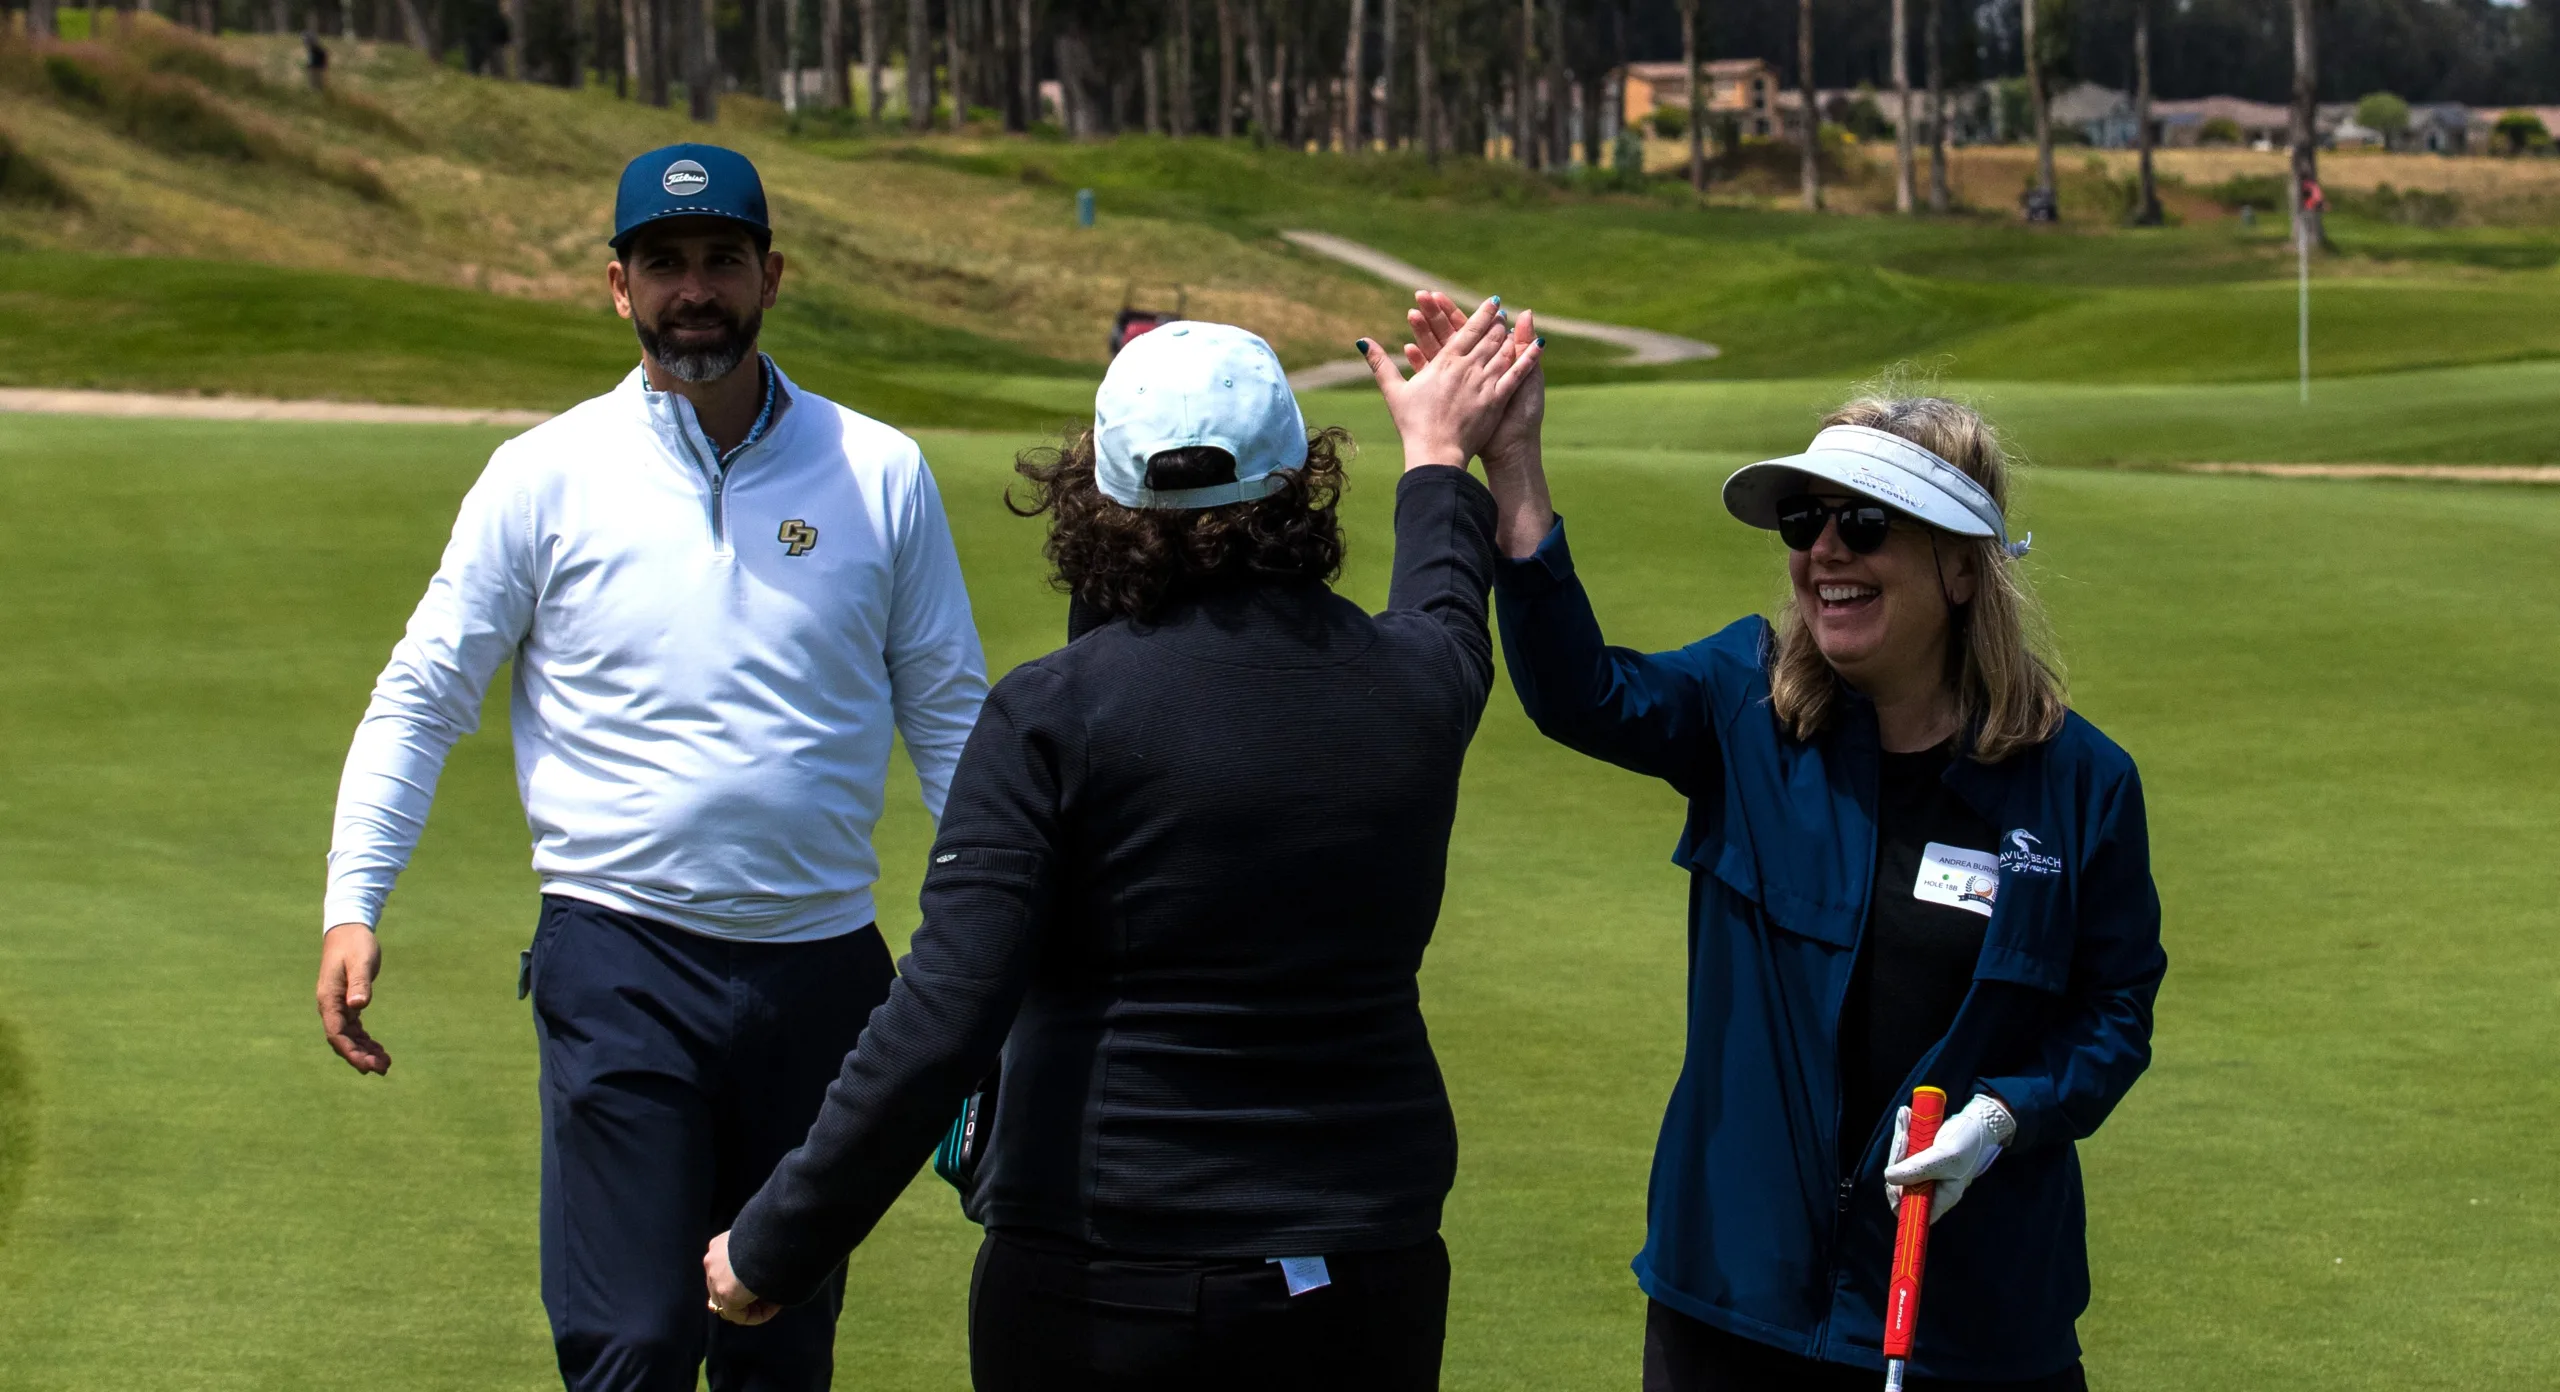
183	214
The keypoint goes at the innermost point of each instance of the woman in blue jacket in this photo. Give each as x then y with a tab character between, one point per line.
1911	863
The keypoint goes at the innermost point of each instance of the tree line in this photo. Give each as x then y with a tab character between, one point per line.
1441	64
1526	78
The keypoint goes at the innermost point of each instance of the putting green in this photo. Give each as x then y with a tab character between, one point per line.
2332	1178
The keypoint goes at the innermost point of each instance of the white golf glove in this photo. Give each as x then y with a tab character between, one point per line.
1967	1144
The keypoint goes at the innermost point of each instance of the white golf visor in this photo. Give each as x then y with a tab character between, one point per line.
1876	465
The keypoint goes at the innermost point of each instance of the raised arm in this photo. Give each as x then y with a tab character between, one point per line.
986	897
1444	568
937	673
1651	713
473	617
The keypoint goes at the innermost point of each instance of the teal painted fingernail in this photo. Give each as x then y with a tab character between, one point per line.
1360	346
1497	299
1539	342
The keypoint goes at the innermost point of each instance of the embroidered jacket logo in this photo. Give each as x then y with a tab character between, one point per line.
2022	858
799	536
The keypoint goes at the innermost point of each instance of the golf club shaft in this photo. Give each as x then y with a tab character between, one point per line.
1911	1240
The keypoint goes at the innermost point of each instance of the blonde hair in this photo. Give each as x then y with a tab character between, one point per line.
2009	688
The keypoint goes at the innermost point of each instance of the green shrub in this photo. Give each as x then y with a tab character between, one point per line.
2414	207
1669	122
26	179
2266	191
2221	130
70	79
2520	131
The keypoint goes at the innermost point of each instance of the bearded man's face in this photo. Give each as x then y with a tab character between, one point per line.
695	290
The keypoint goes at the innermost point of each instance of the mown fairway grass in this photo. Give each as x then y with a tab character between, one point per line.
2332	1178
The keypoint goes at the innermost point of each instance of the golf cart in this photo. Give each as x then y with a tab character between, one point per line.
1134	320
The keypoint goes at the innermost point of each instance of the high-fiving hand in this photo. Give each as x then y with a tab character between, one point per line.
1436	321
1448	409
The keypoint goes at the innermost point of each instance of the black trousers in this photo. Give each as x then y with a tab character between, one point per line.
1050	1316
676	1070
1686	1355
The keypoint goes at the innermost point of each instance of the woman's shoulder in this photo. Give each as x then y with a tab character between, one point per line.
2083	753
1744	645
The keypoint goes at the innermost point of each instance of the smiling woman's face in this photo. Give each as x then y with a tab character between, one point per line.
1881	619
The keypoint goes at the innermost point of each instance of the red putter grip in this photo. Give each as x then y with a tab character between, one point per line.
1911	1238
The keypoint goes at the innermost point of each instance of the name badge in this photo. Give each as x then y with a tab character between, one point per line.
1958	878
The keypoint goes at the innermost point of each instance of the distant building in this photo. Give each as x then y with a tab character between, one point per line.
2440	128
2102	115
2482	132
2262	125
1744	89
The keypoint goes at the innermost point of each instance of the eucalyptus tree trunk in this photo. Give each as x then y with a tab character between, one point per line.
919	66
1025	54
413	27
1426	85
1524	91
1150	92
661	61
1697	99
1184	111
2036	98
831	65
1256	75
955	49
2308	225
42	26
1938	199
702	72
1559	131
1280	109
1227	68
633	62
875	59
514	56
1812	151
1354	83
1387	75
1905	197
2146	200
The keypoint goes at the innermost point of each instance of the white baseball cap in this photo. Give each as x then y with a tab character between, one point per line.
1877	465
1188	384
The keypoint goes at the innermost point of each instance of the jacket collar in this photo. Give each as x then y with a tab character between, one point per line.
1983	788
670	417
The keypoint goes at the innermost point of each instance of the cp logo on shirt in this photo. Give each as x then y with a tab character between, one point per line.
797	535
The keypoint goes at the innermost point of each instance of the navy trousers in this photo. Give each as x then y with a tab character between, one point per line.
676	1070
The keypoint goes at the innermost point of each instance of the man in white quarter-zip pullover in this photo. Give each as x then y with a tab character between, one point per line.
721	595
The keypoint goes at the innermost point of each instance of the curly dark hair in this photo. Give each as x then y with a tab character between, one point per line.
1138	562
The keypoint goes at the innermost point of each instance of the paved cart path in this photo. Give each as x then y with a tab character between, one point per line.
1645	347
52	402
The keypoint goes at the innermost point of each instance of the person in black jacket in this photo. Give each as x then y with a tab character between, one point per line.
1184	882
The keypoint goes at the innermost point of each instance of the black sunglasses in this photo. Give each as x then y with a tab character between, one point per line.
1863	526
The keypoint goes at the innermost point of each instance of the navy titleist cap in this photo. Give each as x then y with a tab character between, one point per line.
688	181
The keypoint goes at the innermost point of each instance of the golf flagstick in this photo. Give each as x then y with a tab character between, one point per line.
1910	1240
